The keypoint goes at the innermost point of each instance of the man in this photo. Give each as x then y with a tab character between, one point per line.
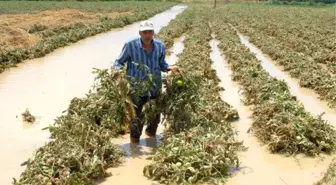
150	52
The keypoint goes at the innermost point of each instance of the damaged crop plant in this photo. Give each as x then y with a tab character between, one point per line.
279	120
52	38
82	148
199	144
304	47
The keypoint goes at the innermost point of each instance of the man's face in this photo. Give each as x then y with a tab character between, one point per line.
147	36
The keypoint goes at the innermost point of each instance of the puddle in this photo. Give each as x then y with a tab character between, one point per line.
46	85
306	96
258	166
176	50
130	172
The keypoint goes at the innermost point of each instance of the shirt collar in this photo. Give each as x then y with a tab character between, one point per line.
140	43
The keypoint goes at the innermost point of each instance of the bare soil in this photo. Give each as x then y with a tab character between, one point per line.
14	27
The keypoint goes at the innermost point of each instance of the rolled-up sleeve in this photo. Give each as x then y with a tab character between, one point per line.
123	58
163	63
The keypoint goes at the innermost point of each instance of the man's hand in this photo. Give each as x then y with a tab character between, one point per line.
116	74
173	69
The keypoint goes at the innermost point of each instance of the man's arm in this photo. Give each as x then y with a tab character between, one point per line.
123	58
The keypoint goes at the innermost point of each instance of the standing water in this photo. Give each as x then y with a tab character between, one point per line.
307	97
131	172
258	166
46	85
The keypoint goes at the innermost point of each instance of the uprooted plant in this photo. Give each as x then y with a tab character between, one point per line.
27	116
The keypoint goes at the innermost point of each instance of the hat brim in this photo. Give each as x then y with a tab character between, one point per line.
147	28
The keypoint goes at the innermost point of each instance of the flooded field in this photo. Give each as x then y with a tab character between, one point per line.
46	85
206	131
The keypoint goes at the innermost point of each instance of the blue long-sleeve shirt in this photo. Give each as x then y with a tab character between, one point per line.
133	51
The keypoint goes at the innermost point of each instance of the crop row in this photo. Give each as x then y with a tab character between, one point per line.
82	147
316	40
176	28
63	36
20	7
279	120
307	54
199	144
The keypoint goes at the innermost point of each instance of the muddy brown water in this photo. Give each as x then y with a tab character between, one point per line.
307	97
258	166
46	85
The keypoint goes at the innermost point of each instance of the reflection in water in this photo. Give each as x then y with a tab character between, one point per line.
135	150
153	142
307	97
258	166
46	86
